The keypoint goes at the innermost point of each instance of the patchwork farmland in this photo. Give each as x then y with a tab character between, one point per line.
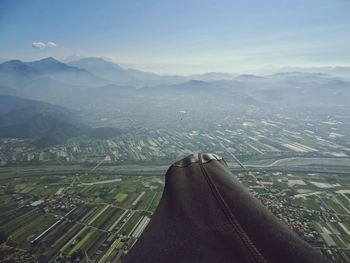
76	221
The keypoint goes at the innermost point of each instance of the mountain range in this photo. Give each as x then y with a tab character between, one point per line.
122	76
96	88
16	73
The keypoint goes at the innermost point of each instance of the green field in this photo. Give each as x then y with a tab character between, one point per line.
24	235
120	197
82	242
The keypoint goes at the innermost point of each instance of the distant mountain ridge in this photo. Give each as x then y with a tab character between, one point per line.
48	65
106	90
47	124
338	71
14	73
123	76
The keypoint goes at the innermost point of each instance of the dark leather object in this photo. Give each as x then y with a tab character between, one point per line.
205	215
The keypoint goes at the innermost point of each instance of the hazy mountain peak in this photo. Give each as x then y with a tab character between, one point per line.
49	59
211	76
15	73
12	62
193	85
122	76
17	66
95	63
249	76
48	64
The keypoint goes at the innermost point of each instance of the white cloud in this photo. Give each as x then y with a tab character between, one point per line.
41	45
51	44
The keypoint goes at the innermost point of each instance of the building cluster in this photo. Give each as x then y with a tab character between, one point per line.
64	203
10	254
297	218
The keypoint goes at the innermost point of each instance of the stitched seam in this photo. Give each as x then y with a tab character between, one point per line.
232	219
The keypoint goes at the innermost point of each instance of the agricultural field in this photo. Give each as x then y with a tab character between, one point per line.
73	217
315	205
120	197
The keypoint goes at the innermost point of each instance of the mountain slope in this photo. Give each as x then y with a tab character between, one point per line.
122	76
47	124
16	73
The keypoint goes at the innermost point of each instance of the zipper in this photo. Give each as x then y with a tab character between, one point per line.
259	258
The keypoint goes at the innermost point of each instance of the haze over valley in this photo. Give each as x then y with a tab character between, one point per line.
106	122
85	140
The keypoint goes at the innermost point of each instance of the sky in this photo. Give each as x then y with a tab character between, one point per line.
181	36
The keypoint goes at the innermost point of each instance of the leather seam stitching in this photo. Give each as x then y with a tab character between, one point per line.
232	219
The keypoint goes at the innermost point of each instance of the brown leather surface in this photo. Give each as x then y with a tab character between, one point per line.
205	215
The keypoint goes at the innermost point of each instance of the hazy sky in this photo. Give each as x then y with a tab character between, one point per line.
181	36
